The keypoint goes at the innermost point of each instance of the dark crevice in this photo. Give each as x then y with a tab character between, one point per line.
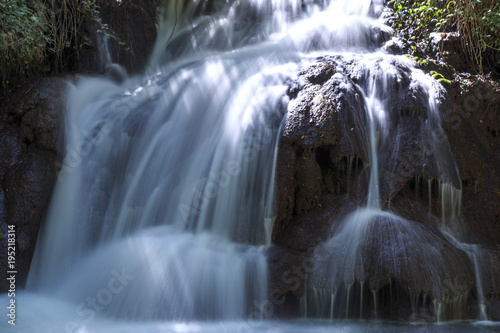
424	189
337	176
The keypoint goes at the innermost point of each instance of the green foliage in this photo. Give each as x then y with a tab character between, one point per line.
491	23
65	22
479	26
476	21
41	36
22	40
439	77
418	60
416	20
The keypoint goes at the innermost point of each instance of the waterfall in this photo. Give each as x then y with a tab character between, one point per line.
168	178
358	261
164	207
172	178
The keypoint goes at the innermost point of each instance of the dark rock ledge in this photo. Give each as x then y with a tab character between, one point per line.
322	176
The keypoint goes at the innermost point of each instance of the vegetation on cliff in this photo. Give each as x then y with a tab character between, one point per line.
475	22
41	36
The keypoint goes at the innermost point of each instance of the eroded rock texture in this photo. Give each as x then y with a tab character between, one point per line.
31	149
323	175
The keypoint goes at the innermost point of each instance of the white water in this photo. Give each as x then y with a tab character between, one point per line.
165	202
336	288
190	149
168	178
353	258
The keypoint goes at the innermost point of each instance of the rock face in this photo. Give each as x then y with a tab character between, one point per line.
323	177
472	124
31	150
448	46
324	104
132	23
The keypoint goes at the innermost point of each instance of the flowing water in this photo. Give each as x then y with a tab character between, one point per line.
164	208
338	287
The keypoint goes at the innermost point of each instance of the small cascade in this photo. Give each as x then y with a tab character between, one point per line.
474	252
356	266
372	245
455	229
105	59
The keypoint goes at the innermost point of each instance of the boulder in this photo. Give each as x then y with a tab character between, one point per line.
323	174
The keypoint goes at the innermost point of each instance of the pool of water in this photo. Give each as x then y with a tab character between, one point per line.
41	314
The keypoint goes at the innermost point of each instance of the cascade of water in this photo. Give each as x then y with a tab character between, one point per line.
105	59
176	153
169	178
375	75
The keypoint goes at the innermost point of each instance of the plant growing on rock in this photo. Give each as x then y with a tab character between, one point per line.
477	23
22	40
42	36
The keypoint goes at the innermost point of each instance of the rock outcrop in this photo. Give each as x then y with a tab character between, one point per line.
132	27
31	150
323	176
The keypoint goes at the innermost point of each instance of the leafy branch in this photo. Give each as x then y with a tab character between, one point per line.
477	23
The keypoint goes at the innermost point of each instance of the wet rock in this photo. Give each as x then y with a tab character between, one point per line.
319	72
494	312
132	23
490	271
308	191
472	123
27	187
377	248
448	47
327	104
318	185
31	152
394	46
326	127
286	279
420	259
307	230
35	110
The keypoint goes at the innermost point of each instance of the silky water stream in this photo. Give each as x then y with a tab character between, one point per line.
164	207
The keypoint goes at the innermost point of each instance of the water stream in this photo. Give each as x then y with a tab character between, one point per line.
164	207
